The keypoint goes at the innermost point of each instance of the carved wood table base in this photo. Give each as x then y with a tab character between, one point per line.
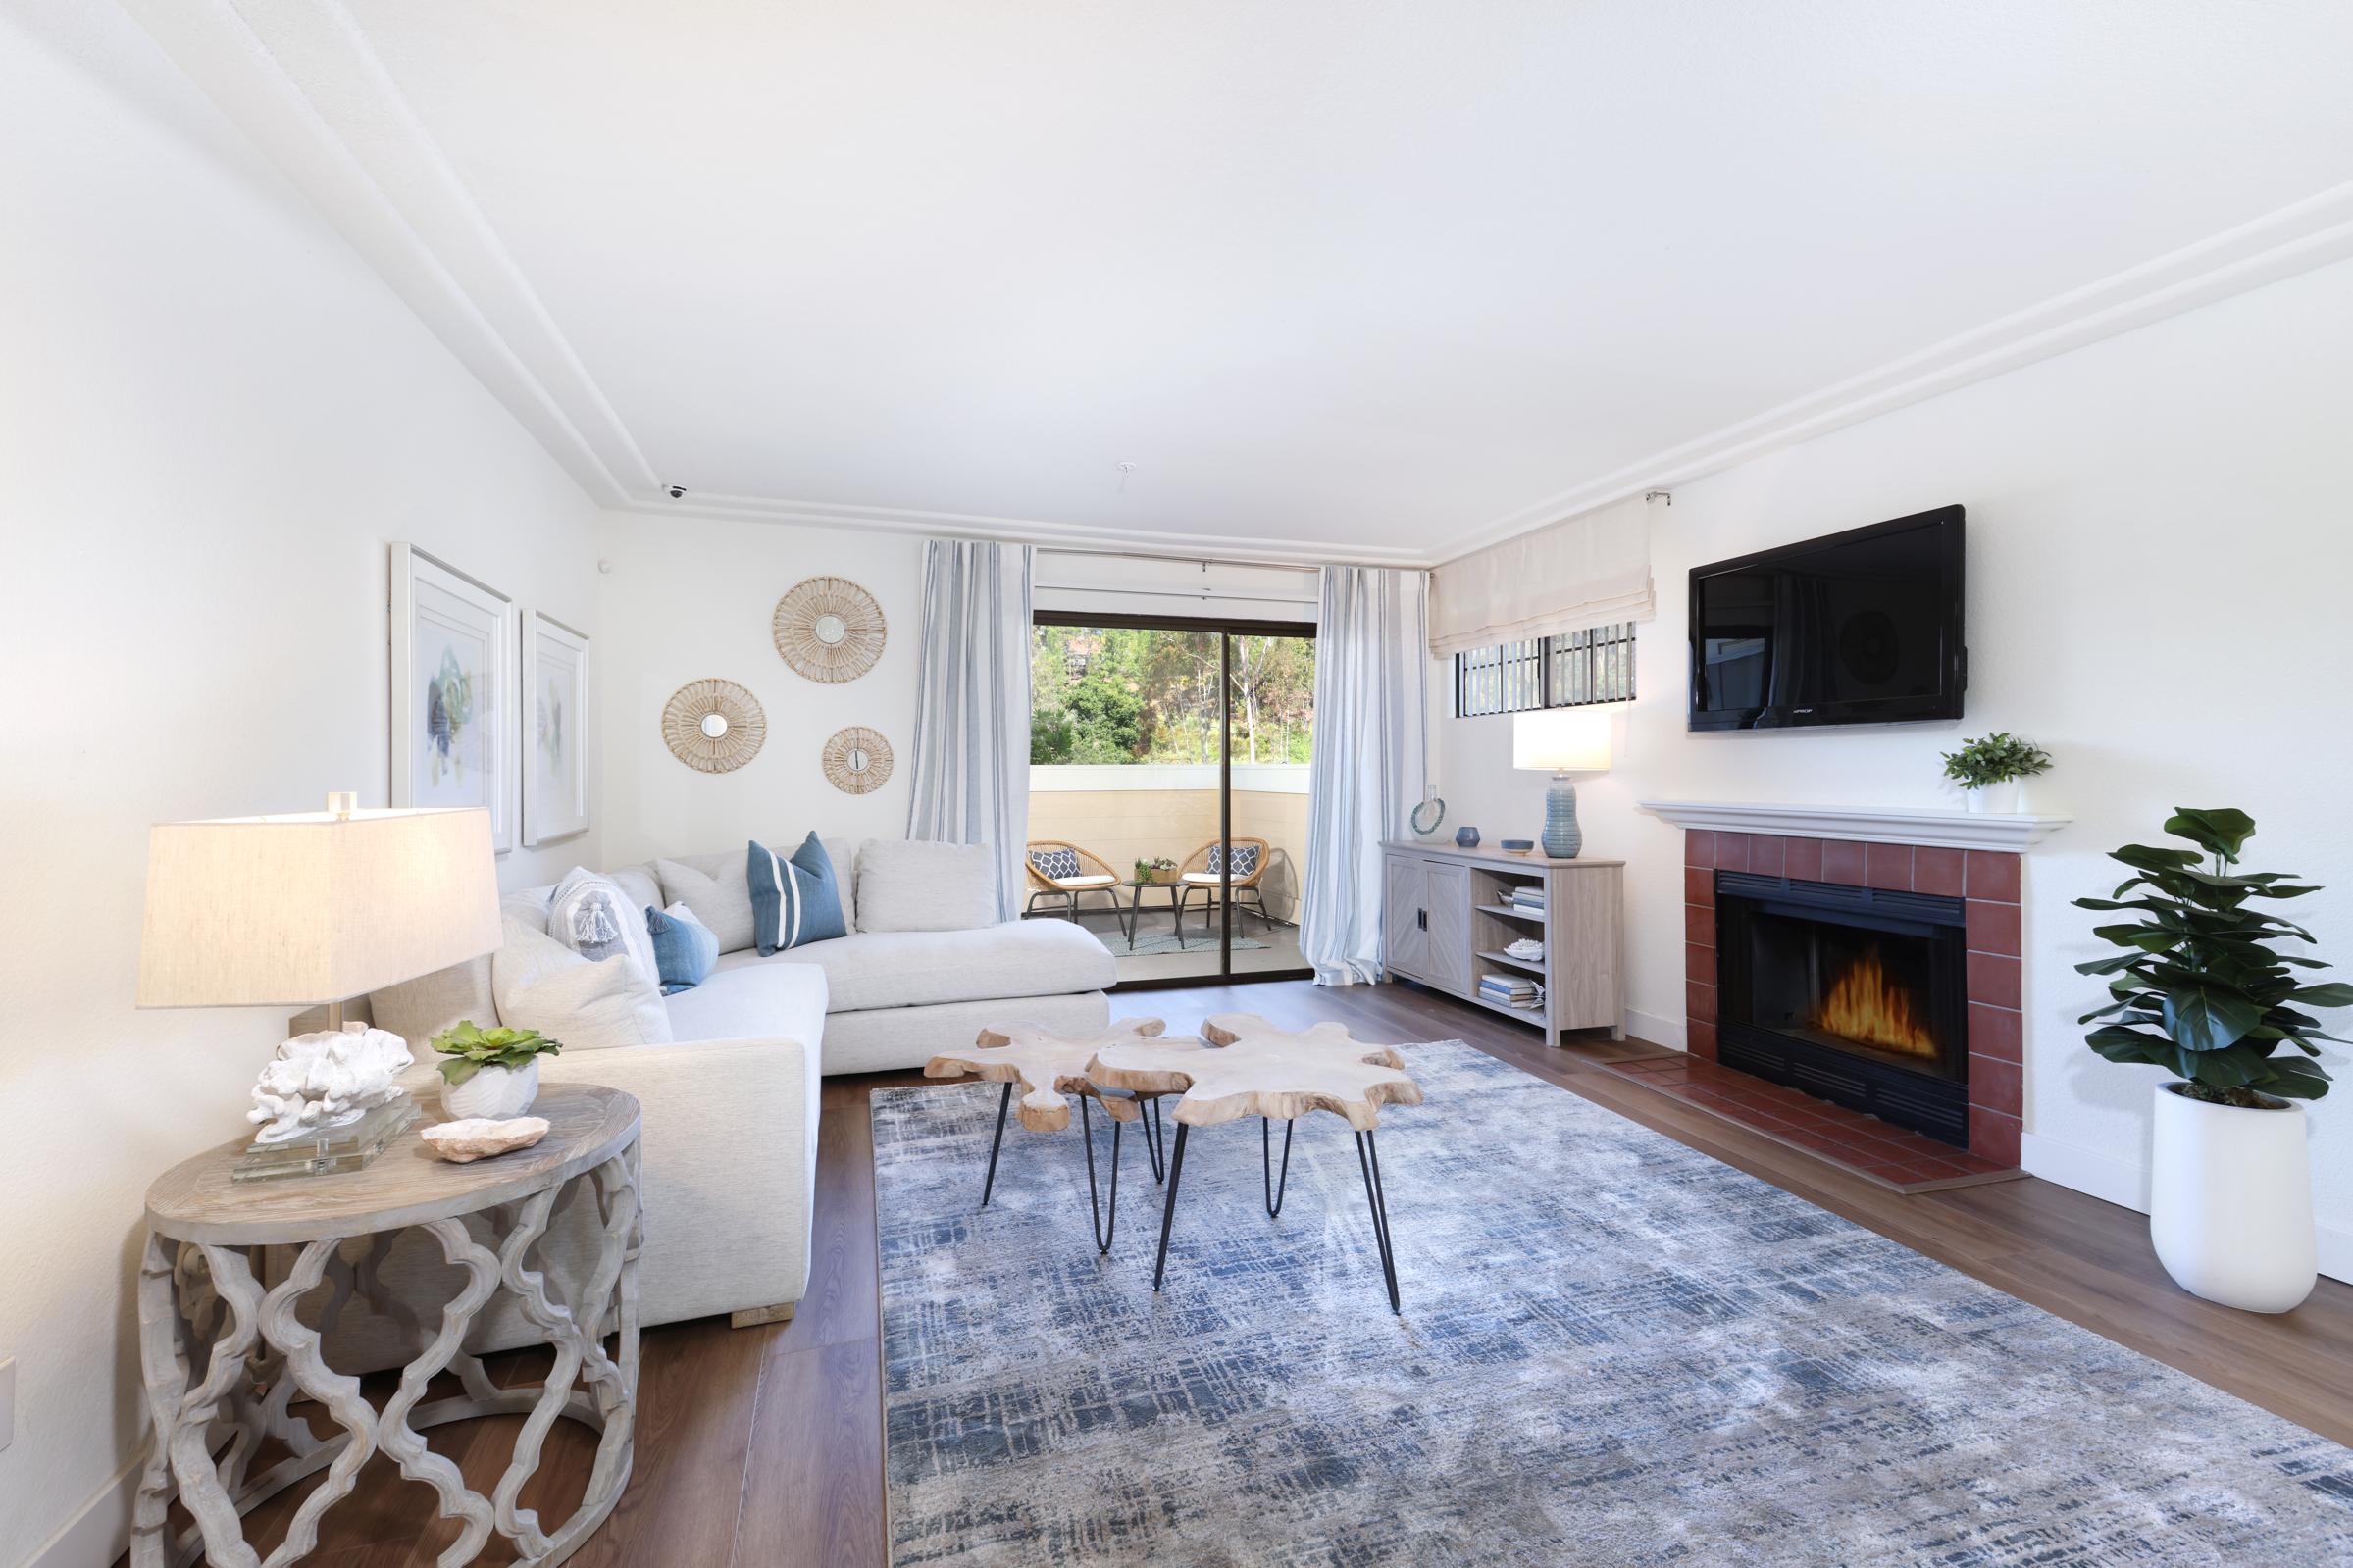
223	1356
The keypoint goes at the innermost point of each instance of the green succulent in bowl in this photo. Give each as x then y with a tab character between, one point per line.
471	1047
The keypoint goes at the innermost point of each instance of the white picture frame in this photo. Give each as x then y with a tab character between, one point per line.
454	724
554	755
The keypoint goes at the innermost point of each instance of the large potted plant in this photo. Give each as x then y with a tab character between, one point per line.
2202	990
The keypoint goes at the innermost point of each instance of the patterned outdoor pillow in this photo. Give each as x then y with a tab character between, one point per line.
1052	863
1246	859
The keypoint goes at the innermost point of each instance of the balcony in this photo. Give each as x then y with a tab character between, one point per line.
1143	811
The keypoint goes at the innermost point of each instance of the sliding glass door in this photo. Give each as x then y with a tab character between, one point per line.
1169	791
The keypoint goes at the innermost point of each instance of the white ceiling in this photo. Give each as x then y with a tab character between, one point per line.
1379	278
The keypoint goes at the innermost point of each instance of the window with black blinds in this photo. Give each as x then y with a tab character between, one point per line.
1570	671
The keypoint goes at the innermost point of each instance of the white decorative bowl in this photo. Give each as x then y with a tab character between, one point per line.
492	1093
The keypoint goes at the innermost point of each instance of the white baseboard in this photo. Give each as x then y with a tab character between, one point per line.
1658	1030
100	1533
2125	1183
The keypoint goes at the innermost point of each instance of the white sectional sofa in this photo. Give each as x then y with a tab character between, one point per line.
730	1103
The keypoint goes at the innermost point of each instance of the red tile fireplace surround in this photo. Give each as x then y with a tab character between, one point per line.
1987	880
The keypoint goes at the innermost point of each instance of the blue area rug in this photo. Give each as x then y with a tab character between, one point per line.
1614	1352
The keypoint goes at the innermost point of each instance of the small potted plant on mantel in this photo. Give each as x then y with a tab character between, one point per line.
493	1072
1989	769
2200	990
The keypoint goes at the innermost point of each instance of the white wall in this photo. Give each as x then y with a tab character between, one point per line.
685	599
213	420
2159	557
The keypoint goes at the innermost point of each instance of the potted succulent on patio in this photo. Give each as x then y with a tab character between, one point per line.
1158	868
2201	991
1984	767
490	1071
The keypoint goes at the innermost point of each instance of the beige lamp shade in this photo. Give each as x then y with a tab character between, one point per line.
298	910
1561	739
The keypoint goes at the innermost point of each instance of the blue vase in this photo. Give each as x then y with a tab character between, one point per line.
1466	837
1561	836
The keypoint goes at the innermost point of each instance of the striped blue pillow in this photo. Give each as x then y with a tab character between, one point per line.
793	902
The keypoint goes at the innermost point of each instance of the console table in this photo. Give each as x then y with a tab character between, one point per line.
1447	917
200	1302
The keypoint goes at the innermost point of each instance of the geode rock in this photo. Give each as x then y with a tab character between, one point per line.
478	1138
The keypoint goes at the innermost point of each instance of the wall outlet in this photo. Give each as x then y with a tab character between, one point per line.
8	1401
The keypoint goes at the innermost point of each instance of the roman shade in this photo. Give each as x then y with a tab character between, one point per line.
1592	570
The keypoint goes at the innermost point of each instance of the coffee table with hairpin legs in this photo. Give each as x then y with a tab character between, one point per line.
1046	1067
1254	1069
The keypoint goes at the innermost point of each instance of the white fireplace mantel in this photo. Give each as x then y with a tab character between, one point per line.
2012	832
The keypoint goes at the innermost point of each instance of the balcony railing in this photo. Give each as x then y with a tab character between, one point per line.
1126	813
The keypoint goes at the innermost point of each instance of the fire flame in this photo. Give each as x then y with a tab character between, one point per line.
1863	1006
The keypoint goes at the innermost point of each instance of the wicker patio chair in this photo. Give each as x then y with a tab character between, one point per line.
1203	873
1064	872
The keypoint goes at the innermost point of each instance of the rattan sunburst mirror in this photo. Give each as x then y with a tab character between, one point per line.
714	726
858	760
829	628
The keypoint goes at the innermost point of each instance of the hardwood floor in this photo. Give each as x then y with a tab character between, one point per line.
763	1447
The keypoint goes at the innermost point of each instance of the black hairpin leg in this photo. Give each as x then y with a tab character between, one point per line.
1176	1170
1274	1189
1005	1104
1153	1129
1102	1233
1368	1158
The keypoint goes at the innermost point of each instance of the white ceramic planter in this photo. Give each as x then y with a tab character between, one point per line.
2230	1202
493	1092
2004	797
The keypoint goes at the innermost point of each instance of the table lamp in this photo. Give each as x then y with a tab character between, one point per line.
1564	741
316	908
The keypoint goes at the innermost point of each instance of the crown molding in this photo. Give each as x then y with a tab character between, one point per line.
301	80
303	84
1234	548
2296	238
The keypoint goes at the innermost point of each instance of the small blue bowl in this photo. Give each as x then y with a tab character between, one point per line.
1519	846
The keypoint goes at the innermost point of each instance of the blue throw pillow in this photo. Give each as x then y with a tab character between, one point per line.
683	948
793	902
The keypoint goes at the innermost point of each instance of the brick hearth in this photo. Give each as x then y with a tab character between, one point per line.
1987	880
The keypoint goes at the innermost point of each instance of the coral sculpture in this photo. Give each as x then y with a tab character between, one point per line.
326	1079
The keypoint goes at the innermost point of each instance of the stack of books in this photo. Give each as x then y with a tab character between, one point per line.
1512	991
1528	896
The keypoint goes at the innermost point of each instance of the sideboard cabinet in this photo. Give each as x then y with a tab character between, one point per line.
1448	914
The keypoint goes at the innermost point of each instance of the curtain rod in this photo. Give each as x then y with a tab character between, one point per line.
1205	596
1181	560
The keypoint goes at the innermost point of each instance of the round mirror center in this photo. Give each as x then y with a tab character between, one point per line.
857	759
714	725
830	630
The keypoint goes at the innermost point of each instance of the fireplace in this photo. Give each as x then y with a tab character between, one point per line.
1857	995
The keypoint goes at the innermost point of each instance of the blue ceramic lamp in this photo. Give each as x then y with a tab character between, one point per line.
1563	740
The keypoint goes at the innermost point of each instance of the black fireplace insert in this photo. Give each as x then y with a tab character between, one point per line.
1857	995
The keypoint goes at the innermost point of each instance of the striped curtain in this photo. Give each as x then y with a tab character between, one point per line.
1372	663
971	767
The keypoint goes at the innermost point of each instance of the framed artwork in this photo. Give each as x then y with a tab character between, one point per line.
453	693
555	729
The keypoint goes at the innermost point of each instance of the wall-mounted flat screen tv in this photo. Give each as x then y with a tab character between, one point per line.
1857	627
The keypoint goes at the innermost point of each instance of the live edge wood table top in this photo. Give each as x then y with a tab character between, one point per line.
221	1353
